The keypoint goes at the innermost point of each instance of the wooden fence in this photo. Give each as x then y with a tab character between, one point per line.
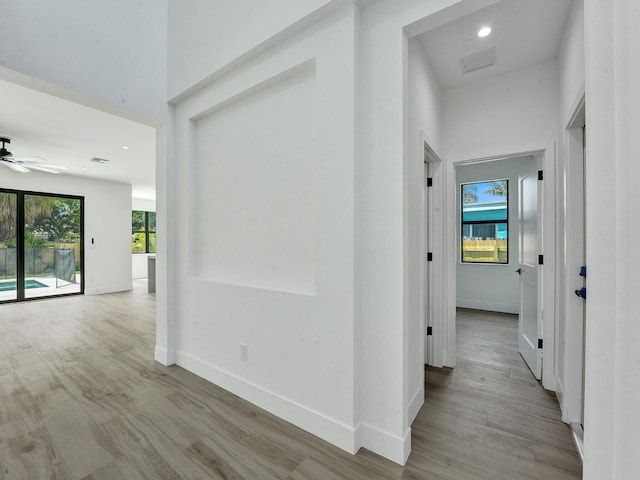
484	251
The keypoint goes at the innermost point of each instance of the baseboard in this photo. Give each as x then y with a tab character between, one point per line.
110	289
331	430
162	356
560	396
489	306
578	438
415	405
396	449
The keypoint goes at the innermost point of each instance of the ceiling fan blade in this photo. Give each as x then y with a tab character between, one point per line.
42	168
28	159
14	166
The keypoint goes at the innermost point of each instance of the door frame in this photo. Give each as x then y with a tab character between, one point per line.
20	247
433	305
547	149
569	389
530	352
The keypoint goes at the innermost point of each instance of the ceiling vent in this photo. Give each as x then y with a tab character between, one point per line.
99	160
478	60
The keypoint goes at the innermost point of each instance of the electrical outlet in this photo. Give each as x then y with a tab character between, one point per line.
243	351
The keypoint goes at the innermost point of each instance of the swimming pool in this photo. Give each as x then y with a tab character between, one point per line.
11	285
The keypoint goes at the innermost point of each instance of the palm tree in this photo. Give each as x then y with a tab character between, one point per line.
35	207
7	216
498	188
469	193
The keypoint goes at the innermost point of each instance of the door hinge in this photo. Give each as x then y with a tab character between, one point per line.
429	181
540	175
539	343
540	259
429	256
429	331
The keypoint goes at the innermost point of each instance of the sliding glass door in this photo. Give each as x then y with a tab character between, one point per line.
8	251
47	244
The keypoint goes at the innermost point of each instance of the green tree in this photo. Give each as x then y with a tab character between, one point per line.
63	222
498	188
7	216
469	193
137	221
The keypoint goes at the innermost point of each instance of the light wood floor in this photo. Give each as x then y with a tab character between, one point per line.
82	398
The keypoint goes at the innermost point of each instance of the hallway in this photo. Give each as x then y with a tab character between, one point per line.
489	418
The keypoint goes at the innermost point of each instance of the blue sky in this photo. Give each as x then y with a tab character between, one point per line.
481	187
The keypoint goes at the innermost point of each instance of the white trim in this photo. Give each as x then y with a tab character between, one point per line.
548	269
162	356
329	429
548	150
560	395
416	404
573	314
396	449
476	304
110	289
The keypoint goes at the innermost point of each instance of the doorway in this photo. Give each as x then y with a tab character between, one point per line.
571	331
498	243
41	245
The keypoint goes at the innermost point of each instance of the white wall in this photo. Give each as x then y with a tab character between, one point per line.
424	116
234	31
570	221
505	113
382	254
571	62
612	72
492	287
107	220
264	226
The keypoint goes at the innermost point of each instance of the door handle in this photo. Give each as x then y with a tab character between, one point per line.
518	271
582	293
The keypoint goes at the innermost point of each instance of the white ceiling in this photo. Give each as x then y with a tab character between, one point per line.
524	32
70	135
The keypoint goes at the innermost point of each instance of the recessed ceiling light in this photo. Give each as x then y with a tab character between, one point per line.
484	31
124	147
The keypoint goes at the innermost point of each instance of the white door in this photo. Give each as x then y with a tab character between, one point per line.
530	318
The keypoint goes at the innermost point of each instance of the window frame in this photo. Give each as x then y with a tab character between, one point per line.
145	231
21	249
482	222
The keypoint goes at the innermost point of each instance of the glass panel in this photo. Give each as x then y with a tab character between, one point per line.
8	257
52	245
138	241
484	222
484	201
152	221
140	222
152	242
137	221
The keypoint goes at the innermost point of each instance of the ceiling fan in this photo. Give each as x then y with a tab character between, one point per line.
25	163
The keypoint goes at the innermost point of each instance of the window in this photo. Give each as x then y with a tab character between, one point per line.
143	232
41	245
485	222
